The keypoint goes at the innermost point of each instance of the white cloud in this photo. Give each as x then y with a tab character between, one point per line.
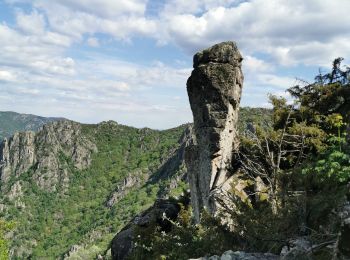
36	58
107	8
288	31
291	32
64	66
252	64
34	49
33	23
120	19
7	76
281	28
118	89
175	7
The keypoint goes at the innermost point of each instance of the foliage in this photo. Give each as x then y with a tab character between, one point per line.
321	111
332	166
249	118
5	227
304	160
329	94
54	221
337	74
185	240
302	157
264	230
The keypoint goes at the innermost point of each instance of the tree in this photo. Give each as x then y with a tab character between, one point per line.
329	94
4	247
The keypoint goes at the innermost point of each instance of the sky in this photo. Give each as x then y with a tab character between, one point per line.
129	60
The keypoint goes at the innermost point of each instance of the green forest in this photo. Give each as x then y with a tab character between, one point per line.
52	222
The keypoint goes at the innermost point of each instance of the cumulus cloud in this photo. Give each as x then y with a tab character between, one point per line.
36	56
295	28
36	53
7	76
107	8
290	32
118	89
252	64
120	19
33	23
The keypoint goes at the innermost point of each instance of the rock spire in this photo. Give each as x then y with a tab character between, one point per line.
214	89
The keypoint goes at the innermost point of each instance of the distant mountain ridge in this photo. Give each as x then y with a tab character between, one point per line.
11	122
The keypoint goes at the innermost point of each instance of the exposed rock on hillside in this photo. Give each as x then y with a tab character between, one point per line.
131	181
214	90
16	154
47	154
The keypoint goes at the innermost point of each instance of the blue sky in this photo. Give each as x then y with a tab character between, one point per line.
128	60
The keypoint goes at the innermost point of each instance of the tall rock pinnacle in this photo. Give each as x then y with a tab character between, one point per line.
214	89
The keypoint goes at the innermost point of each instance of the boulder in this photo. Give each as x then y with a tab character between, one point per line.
123	243
240	255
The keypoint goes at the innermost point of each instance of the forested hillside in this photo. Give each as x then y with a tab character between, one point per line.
71	187
55	208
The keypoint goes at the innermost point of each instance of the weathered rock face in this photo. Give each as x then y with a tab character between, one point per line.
46	154
131	181
16	154
214	89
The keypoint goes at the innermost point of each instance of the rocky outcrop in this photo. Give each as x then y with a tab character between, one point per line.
239	255
214	90
133	180
16	155
342	248
46	154
299	248
123	243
